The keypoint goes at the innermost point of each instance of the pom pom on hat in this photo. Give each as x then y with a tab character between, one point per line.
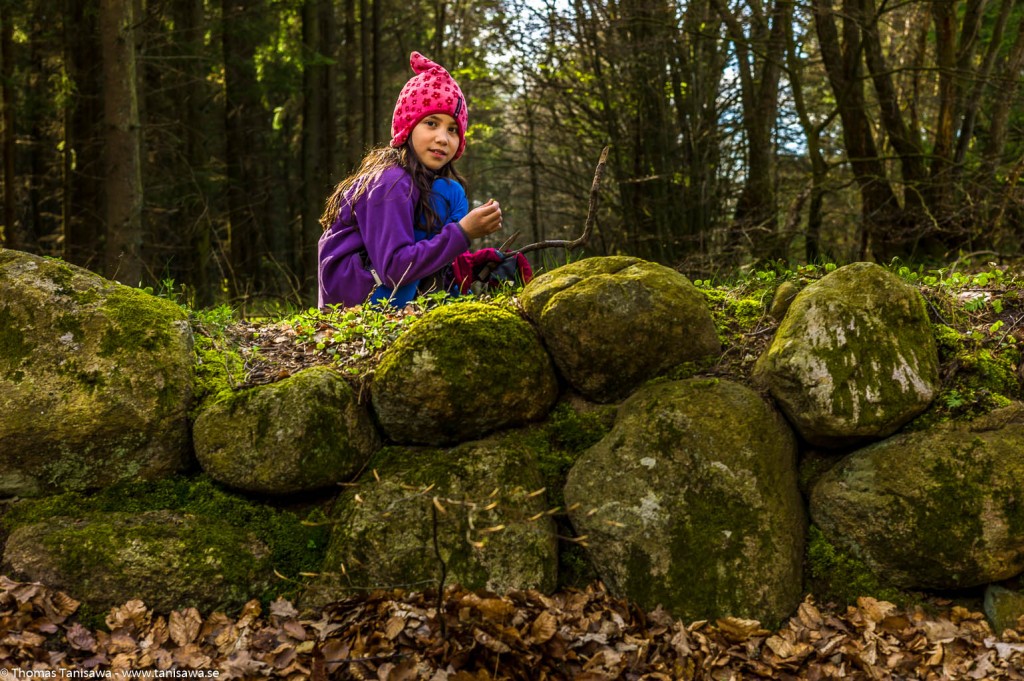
432	90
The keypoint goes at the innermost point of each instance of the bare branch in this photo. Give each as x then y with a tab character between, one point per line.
591	211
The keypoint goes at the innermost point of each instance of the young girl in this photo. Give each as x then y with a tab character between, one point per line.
393	227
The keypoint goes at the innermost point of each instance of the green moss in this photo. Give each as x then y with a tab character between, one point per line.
68	323
460	372
140	321
687	370
979	379
948	342
62	276
219	368
558	443
736	312
14	346
834	575
385	536
948	516
294	547
169	559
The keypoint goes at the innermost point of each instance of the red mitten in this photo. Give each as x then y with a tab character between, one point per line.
467	266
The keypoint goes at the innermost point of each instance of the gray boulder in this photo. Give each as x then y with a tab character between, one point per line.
166	559
940	508
691	502
613	323
95	380
462	371
488	522
854	358
301	433
1004	608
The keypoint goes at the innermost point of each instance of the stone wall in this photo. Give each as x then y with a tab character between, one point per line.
467	464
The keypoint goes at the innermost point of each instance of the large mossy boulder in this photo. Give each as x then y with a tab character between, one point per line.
854	358
304	432
691	502
475	508
613	323
938	509
95	379
168	560
460	372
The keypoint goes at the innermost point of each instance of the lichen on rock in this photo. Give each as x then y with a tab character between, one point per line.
613	323
691	502
95	379
460	372
938	508
166	559
854	358
481	502
305	432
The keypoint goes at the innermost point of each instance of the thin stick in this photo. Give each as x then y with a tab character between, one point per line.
509	241
588	227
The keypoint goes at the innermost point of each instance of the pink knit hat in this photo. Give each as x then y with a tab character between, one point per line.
432	90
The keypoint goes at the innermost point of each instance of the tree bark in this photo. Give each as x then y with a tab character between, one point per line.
314	148
883	220
82	118
974	99
244	142
365	72
353	94
123	173
199	257
9	234
812	134
760	56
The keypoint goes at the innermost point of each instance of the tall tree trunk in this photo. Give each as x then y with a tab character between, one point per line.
123	175
377	114
533	163
440	20
244	141
649	45
1006	84
973	102
329	50
314	163
9	234
940	187
353	93
81	210
696	73
195	216
883	219
760	55
365	73
812	134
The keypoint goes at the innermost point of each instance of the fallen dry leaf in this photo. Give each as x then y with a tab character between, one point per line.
586	634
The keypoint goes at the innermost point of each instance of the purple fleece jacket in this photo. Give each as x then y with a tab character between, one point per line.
383	229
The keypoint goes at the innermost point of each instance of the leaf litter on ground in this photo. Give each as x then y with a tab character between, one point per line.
585	635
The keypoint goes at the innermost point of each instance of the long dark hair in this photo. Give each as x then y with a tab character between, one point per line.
376	161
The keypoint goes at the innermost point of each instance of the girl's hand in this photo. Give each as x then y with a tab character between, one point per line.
482	220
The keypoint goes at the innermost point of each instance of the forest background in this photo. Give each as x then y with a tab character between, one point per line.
193	143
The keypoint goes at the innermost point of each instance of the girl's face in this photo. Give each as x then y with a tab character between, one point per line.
435	139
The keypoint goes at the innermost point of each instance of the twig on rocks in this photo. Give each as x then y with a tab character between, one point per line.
588	227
